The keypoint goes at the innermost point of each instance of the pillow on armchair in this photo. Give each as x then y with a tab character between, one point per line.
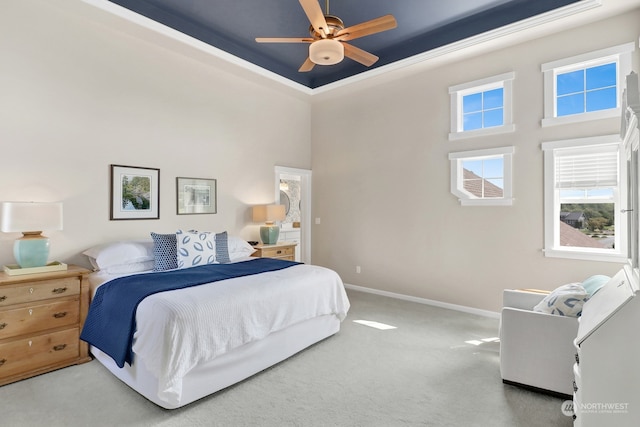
567	300
594	283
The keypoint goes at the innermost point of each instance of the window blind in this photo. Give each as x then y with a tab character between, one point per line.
587	167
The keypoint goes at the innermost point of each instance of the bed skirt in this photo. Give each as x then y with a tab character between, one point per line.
228	368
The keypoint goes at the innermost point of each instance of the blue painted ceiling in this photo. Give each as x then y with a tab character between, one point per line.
423	25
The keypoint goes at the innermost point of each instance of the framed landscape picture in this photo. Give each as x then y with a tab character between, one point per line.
196	196
135	192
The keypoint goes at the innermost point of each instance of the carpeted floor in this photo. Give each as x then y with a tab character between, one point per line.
421	374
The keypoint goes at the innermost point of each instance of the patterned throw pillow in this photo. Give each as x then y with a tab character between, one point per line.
164	251
201	247
195	248
222	248
567	300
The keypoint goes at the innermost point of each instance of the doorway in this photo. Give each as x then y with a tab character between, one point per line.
293	190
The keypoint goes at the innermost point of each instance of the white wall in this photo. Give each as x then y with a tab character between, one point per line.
81	89
381	180
77	95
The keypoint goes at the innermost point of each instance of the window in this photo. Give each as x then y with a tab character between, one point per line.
481	107
482	177
585	87
583	199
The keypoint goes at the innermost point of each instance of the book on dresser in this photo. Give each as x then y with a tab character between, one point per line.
41	317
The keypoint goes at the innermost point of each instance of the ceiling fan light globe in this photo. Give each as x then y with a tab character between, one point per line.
326	52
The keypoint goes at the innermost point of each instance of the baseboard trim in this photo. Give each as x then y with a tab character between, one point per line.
463	308
539	390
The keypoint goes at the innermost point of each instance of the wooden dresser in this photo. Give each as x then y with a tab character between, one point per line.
41	317
281	250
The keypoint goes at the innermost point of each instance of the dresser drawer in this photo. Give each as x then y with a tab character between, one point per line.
39	351
278	252
38	290
29	318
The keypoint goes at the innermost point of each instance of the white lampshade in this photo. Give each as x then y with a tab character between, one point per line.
30	216
269	213
326	52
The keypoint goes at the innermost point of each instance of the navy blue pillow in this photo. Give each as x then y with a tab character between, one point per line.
165	251
222	248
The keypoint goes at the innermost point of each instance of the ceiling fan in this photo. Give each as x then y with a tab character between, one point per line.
327	44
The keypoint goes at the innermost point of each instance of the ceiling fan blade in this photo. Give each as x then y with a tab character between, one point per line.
307	66
316	17
359	55
284	39
373	26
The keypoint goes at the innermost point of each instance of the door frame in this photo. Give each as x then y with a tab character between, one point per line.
305	206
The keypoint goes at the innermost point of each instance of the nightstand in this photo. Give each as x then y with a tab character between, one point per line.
41	317
281	250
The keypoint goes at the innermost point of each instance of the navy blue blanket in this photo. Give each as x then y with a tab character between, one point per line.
111	321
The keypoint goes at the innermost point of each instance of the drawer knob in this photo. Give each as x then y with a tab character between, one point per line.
59	290
3	297
59	347
3	361
279	252
60	315
3	325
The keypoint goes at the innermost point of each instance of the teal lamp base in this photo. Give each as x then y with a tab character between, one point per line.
269	234
31	250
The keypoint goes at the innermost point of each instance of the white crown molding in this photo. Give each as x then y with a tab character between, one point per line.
162	29
545	18
470	42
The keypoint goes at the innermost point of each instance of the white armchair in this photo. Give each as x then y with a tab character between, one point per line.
536	349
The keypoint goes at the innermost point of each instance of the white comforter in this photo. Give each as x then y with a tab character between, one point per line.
177	330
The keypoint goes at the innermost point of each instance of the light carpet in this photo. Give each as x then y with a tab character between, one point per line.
423	373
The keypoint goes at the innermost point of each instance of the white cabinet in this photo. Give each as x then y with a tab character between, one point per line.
291	235
607	375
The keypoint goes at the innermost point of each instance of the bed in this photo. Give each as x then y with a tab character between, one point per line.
193	341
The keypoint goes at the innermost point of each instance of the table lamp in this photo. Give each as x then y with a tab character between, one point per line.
269	214
30	218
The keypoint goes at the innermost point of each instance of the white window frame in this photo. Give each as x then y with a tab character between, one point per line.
504	81
620	54
552	246
468	199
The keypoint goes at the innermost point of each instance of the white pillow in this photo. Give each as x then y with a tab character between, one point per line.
567	300
120	253
239	248
135	267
